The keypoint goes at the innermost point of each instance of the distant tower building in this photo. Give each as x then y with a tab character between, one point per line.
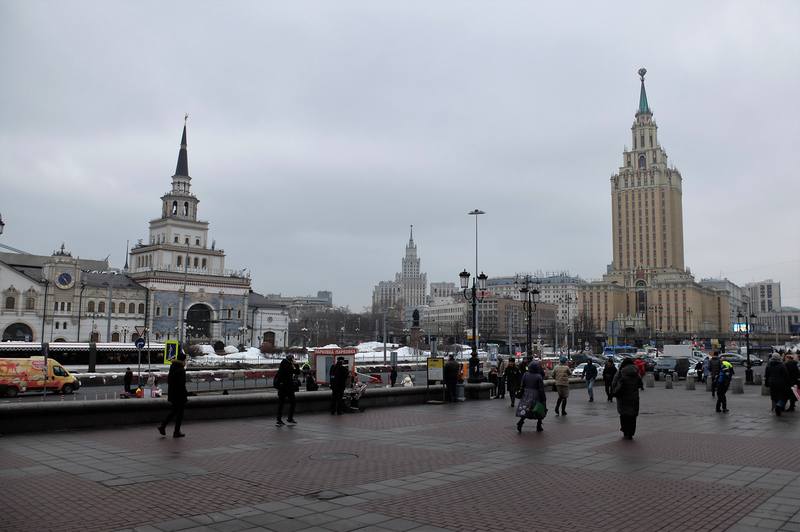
648	292
408	291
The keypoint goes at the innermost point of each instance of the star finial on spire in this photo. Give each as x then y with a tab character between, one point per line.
643	106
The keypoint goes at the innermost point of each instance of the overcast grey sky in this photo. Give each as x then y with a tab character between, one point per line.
319	131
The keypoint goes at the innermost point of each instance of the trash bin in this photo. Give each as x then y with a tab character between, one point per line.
460	392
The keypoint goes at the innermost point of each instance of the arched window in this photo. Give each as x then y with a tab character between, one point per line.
69	307
64	325
122	308
132	308
101	307
90	306
174	207
141	308
57	327
55	306
195	262
115	337
642	161
63	306
30	303
179	261
186	208
11	303
204	264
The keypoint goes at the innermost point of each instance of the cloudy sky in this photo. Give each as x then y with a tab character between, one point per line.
319	131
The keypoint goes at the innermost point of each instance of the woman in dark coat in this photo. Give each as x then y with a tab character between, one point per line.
177	395
532	392
609	372
512	379
625	387
777	380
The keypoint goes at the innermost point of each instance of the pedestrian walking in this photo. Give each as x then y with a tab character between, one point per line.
641	366
626	386
794	379
706	369
287	382
590	375
609	371
450	375
561	374
714	367
176	395
493	381
777	380
127	380
512	376
698	371
393	376
723	382
338	384
501	378
533	403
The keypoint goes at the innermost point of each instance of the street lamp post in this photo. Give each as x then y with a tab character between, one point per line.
529	301
2	224
748	373
478	284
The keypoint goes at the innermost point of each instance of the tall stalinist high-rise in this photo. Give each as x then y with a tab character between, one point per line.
647	291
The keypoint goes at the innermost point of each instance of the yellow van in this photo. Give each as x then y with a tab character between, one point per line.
27	374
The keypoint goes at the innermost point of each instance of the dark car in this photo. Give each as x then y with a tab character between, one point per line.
741	360
672	365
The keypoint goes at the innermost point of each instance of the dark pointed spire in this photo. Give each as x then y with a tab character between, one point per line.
183	159
643	107
127	252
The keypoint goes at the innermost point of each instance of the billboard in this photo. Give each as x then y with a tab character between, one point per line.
740	327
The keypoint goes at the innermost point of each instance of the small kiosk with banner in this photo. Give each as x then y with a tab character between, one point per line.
324	358
435	367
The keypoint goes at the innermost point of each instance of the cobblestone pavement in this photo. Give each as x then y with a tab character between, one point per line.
421	468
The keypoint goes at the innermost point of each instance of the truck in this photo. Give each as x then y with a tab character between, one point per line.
678	351
19	375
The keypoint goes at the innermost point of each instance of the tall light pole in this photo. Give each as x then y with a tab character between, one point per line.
476	213
529	301
478	284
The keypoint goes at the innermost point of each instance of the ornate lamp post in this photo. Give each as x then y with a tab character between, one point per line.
748	373
478	284
529	301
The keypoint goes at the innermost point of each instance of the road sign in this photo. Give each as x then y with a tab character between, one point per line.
139	343
170	351
140	329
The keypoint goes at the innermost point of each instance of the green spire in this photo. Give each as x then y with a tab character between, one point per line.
643	107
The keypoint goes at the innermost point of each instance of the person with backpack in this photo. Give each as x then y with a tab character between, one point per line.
609	371
714	367
177	395
723	382
339	374
512	376
287	383
590	375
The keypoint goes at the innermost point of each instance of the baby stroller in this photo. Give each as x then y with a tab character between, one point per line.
352	395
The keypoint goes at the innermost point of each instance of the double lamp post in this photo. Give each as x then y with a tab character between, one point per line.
748	373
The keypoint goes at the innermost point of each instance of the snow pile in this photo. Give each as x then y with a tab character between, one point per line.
229	349
370	347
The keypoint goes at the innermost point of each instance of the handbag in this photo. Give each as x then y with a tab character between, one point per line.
539	410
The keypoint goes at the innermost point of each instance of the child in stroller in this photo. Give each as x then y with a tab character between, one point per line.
353	394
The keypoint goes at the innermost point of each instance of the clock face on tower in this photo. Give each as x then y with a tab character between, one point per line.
65	280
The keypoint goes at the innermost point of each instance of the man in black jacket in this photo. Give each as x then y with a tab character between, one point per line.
287	384
590	375
714	367
794	379
176	395
450	376
339	375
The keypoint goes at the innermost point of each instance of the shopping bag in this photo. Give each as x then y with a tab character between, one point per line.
539	411
796	392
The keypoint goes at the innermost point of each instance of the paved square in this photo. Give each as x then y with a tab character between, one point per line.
432	467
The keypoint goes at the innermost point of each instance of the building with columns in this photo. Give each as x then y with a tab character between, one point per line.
190	292
647	290
60	298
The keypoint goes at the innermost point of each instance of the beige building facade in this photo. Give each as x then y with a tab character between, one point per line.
648	291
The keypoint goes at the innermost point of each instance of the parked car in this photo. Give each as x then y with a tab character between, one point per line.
740	360
578	371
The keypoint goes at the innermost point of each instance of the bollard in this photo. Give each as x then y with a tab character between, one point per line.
649	380
757	380
709	384
668	382
737	385
62	396
764	389
690	384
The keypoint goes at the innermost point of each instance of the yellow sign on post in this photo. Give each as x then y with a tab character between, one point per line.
170	351
435	369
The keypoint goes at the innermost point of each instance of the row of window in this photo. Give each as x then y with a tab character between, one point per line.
228	313
120	308
191	262
11	303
